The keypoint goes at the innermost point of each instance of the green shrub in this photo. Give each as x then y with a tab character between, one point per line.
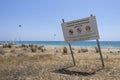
118	51
65	50
33	49
36	46
23	45
2	52
96	50
79	51
41	48
31	45
84	50
13	51
7	45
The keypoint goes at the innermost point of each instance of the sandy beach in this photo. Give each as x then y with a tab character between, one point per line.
59	40
33	62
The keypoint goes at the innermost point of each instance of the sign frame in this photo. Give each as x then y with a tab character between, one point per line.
97	40
80	30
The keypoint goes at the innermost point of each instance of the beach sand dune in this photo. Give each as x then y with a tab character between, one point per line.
33	62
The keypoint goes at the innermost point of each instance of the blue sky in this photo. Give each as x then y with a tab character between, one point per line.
41	19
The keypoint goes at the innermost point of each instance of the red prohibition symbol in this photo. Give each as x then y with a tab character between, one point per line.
71	32
79	30
88	28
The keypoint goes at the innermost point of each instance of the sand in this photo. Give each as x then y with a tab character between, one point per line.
33	62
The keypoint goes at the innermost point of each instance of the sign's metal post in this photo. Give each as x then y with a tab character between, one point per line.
100	53
72	54
70	50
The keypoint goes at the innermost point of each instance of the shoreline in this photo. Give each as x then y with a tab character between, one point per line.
89	44
66	46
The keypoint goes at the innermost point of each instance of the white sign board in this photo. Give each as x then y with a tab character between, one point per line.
79	30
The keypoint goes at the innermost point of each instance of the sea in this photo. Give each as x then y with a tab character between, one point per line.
103	44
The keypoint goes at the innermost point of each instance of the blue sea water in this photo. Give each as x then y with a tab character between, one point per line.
104	44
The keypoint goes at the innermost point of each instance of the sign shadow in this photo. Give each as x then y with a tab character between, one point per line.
76	73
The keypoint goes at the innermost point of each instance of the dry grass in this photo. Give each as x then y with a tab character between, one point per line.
49	66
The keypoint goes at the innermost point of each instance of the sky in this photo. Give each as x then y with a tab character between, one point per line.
41	20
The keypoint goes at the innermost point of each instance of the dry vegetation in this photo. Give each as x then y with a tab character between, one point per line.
32	62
